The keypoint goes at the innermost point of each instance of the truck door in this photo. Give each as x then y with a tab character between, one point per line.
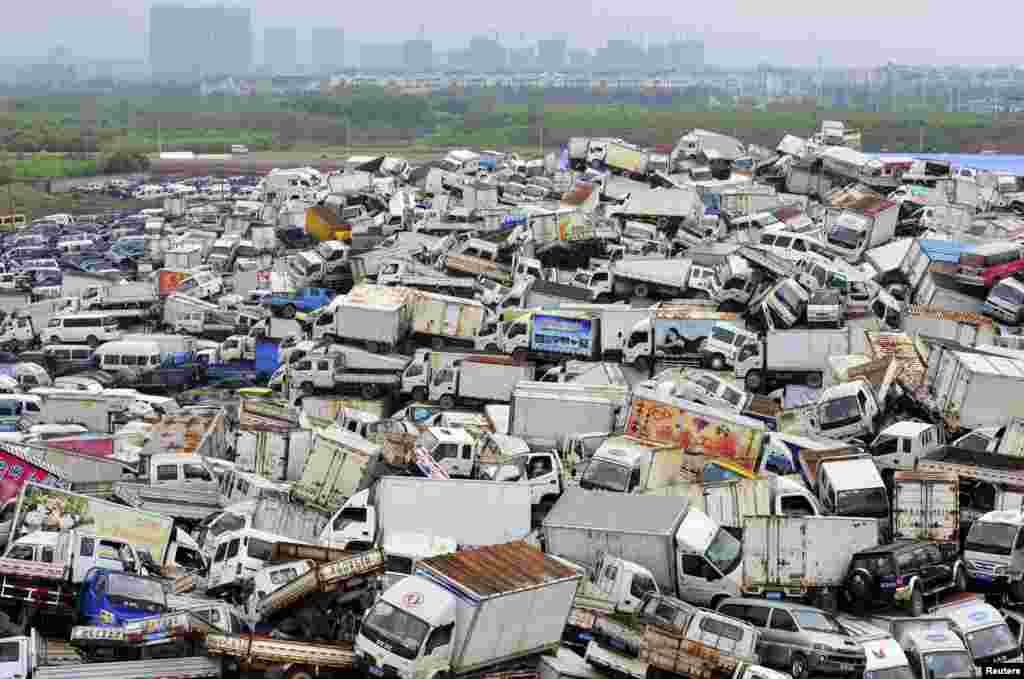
542	475
323	376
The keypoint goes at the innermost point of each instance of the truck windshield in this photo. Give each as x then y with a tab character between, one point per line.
133	592
582	279
395	630
991	538
221	250
1009	294
886	445
949	665
840	412
846	237
817	622
247	251
720	334
724	552
605	475
986	644
427	441
862	502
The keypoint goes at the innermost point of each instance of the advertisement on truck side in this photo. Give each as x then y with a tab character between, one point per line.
16	469
561	335
699	433
624	158
449	318
167	281
56	510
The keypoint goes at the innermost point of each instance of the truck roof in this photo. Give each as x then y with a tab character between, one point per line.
856	474
906	429
1004	516
617	512
449	434
498	569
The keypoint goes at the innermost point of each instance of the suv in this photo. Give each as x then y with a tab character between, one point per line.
904	572
797	638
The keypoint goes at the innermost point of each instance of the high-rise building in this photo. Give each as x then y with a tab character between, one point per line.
280	50
189	43
551	54
328	49
381	56
418	55
686	55
487	54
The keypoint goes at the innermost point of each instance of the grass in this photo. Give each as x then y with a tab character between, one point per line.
54	165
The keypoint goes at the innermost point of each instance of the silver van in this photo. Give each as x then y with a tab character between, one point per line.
797	638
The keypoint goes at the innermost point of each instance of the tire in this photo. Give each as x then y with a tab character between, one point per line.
641	290
437	344
53	340
643	364
288	311
753	381
373	347
92	341
492	347
716	362
916	603
447	401
419	394
299	673
604	298
369	391
715	601
798	667
814	380
961	580
306	388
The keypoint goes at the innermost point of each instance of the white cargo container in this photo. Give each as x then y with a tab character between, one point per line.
479	379
376	316
971	391
544	417
800	557
440	317
617	321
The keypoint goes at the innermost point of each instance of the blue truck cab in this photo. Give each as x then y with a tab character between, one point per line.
287	304
109	597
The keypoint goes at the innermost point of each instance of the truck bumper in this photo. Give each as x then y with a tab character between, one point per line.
826	663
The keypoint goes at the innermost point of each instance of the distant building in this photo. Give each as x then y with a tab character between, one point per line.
686	55
280	50
657	57
551	54
487	55
620	55
579	58
418	55
381	56
328	49
190	43
522	58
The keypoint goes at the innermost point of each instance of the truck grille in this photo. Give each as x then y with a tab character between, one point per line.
857	660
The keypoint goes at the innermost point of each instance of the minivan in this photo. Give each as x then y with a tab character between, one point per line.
91	328
63	359
797	638
128	355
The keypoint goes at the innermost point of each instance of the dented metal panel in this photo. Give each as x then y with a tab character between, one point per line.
926	506
911	368
498	569
380	295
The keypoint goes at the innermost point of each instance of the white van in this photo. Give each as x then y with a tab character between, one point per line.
240	555
128	355
792	245
91	328
202	285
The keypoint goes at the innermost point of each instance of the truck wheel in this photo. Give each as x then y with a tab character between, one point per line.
92	341
373	347
419	394
492	347
370	391
814	380
752	381
53	340
437	344
306	388
447	401
961	579
643	364
641	290
716	362
288	311
604	298
798	667
299	673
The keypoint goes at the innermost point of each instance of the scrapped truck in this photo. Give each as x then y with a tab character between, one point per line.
376	317
452	615
345	368
674	333
550	335
170	635
344	585
441	320
479	379
299	659
704	434
805	558
669	637
335	466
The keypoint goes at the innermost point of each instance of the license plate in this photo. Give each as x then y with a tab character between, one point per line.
773	595
376	670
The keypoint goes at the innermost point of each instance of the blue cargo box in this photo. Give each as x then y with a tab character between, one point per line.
946	251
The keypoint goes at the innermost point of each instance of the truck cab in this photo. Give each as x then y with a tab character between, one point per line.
850	485
849	410
724	343
614	585
271	578
403	551
17	332
899	445
356	521
994	551
937	654
173	470
82	551
239	555
543	471
108	598
451	449
624	464
222	255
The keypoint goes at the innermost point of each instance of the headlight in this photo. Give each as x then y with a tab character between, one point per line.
821	647
999	570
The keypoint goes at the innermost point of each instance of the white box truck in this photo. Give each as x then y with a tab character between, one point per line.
796	356
544	417
479	379
462	613
376	316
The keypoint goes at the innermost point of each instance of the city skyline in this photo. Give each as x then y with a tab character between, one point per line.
735	32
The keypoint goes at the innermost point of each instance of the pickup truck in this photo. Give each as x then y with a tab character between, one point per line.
27	657
170	635
299	658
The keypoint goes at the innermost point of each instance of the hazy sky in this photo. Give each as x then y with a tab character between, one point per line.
737	32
